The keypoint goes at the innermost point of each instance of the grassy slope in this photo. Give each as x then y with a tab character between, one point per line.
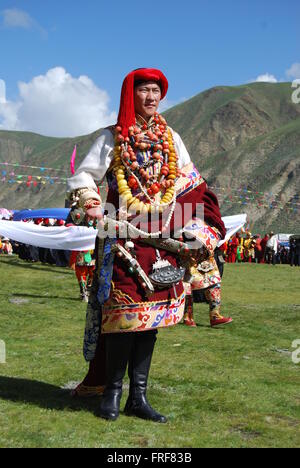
231	387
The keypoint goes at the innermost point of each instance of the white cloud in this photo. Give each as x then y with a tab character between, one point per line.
57	104
16	18
2	92
291	73
294	71
266	78
8	110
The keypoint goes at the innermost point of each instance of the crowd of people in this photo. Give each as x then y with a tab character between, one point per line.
30	253
248	248
243	247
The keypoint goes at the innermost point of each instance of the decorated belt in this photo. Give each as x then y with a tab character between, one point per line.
164	275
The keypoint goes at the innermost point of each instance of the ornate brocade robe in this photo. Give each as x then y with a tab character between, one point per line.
118	302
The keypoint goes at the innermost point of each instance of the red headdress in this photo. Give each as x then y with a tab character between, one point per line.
126	116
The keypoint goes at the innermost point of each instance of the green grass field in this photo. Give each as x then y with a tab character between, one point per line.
235	386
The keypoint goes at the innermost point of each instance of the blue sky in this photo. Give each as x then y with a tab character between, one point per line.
197	43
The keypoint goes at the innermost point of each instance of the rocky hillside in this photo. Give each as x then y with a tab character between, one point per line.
29	149
245	140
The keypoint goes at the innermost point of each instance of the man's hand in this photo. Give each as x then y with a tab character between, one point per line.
94	215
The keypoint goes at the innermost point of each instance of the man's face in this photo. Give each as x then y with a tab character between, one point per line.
146	99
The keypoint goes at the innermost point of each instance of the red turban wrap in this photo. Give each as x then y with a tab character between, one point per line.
126	116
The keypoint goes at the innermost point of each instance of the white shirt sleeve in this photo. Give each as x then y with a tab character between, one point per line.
95	164
183	155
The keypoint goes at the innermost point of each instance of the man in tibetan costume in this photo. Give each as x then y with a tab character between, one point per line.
249	248
232	248
84	270
141	264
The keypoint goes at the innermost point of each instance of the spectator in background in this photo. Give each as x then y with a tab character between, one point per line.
258	249
263	245
6	247
283	255
224	249
240	253
220	253
232	248
297	253
292	252
84	269
61	257
249	252
271	249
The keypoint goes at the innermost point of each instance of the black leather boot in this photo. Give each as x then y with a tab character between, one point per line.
138	371
118	348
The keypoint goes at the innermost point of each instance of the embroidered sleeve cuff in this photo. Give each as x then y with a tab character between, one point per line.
88	196
80	197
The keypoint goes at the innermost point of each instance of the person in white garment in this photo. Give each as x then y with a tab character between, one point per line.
272	248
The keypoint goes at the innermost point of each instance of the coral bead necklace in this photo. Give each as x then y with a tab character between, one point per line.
156	139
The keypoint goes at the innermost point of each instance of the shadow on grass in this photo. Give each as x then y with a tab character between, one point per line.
38	266
44	395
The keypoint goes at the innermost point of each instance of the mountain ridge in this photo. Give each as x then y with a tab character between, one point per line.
244	140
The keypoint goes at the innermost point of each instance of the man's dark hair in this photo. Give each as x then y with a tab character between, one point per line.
140	82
